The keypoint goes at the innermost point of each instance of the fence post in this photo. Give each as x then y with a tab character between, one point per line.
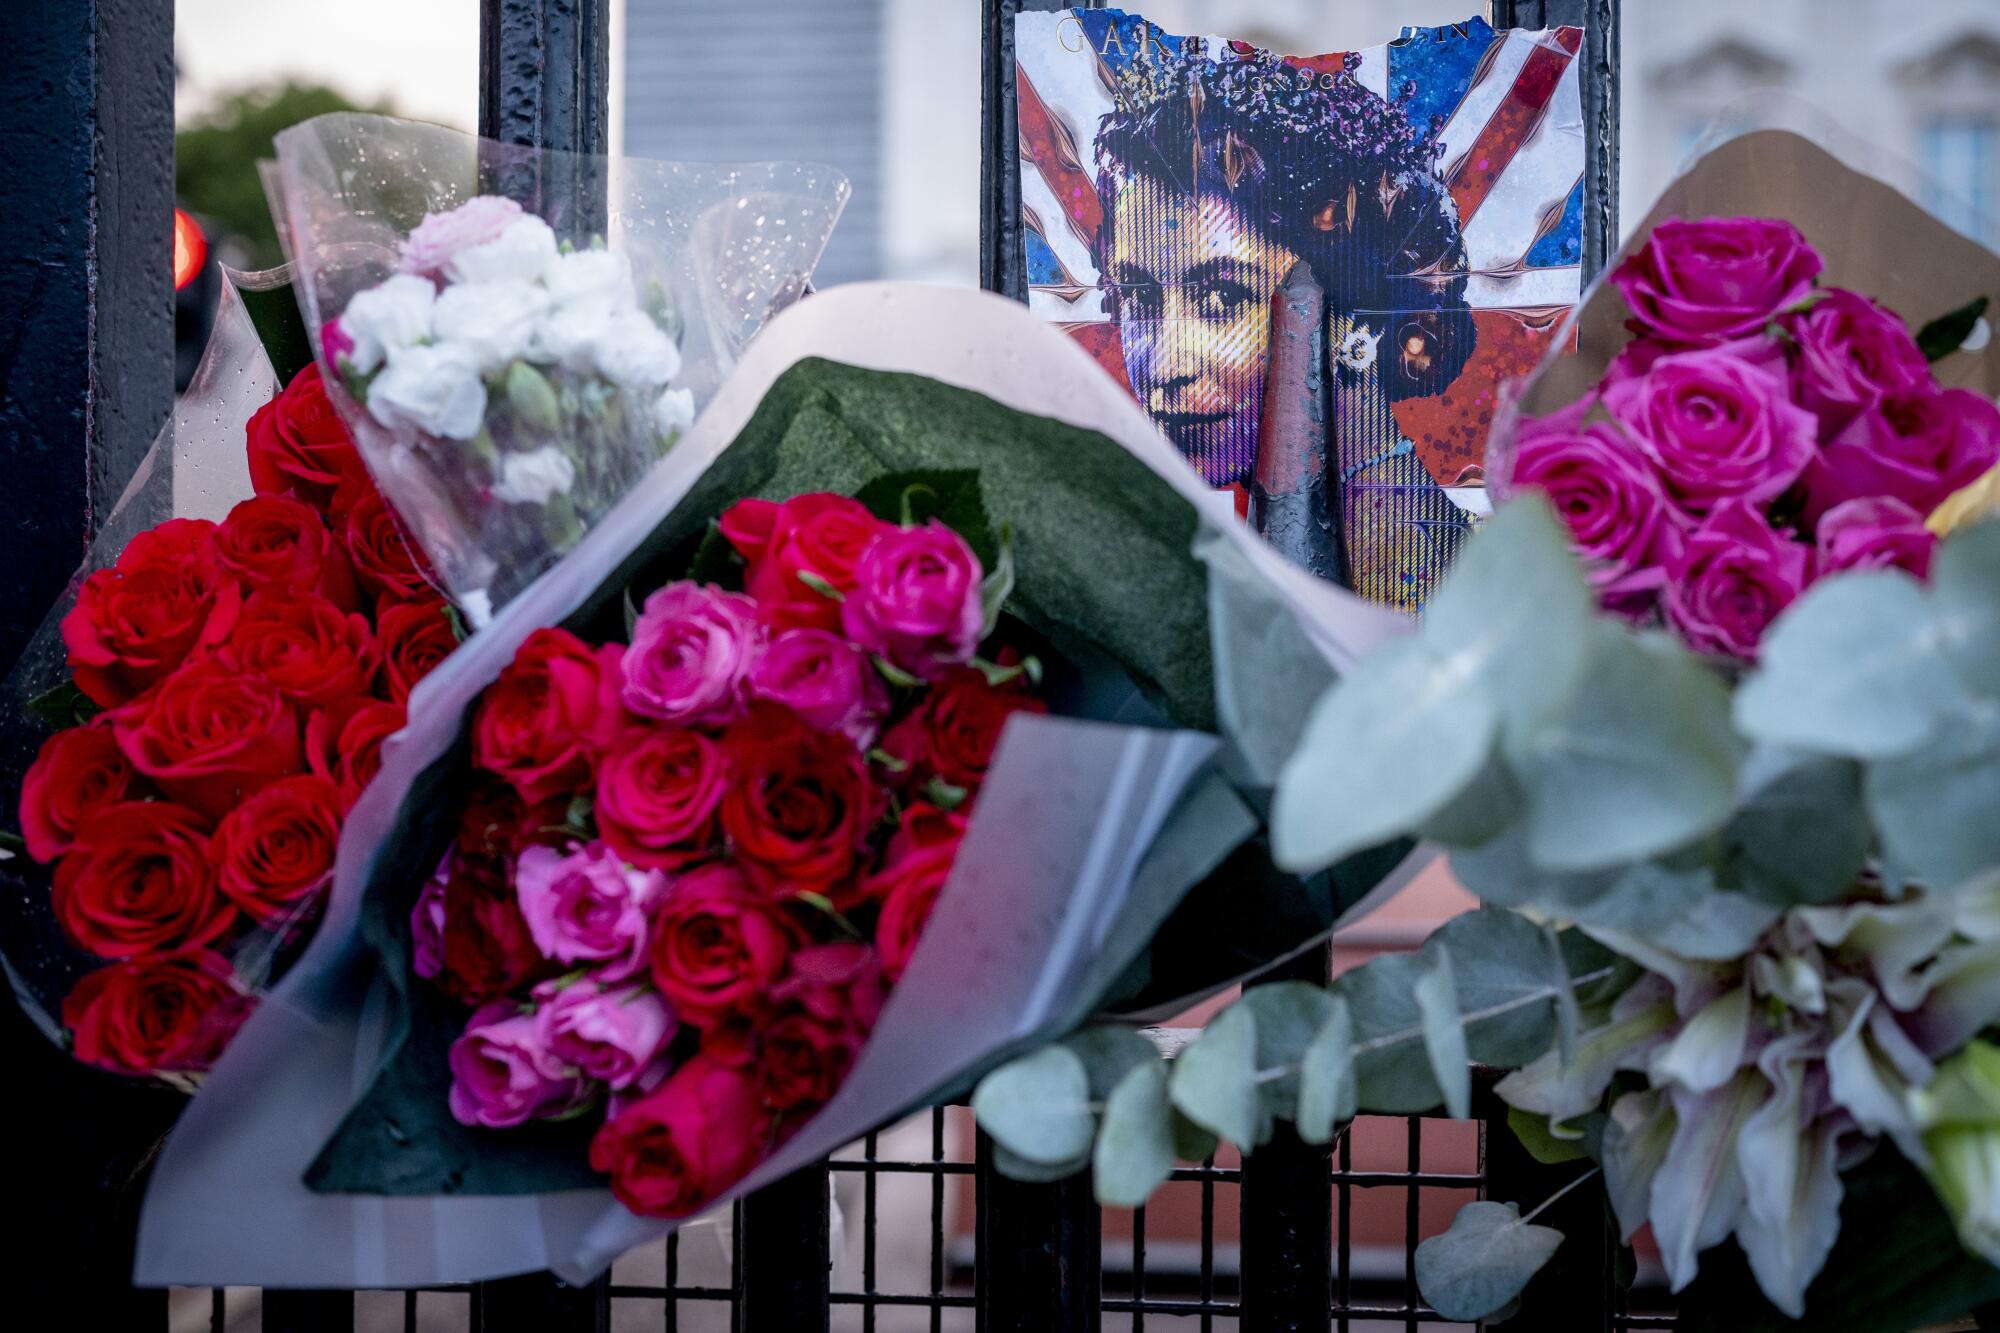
787	1254
538	1303
308	1311
1574	1291
1039	1257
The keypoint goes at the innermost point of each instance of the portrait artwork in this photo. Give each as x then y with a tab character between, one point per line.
1433	187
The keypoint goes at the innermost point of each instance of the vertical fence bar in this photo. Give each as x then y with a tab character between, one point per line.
1039	1260
1287	1225
87	358
538	1303
308	1312
1575	1290
787	1254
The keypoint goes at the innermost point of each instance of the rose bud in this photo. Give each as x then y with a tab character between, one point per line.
385	560
674	1151
1608	494
140	880
616	1035
274	853
718	945
801	554
276	541
76	771
952	734
502	1075
347	750
691	651
488	951
916	600
658	789
163	1013
907	887
1694	284
1919	448
166	602
427	921
587	907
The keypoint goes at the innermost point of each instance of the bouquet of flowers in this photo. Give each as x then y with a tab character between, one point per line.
692	864
1707	716
221	692
888	727
512	373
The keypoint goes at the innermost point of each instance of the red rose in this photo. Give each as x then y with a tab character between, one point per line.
139	880
718	946
496	822
799	803
276	541
344	746
300	447
488	952
75	772
306	646
167	599
385	560
924	825
954	731
675	1150
822	1014
210	735
908	888
274	853
657	793
536	724
415	637
170	1013
820	535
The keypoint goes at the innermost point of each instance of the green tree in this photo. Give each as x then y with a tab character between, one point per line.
216	156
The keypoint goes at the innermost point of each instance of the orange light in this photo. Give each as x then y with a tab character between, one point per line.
190	249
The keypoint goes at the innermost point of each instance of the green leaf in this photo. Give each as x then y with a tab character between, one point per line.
1504	970
1641	760
12	844
1214	1081
631	613
1110	1052
1192	1143
1935	807
455	618
1444	1037
1514	615
1801	834
1289	1015
997	586
894	674
1482	811
1483	1261
1538	1136
1038	1107
64	706
1391	1071
1947	333
1326	1077
954	497
1852	668
1135	1144
820	586
1386	749
715	561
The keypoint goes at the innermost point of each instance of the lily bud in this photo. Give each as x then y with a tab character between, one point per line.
532	398
1960	1113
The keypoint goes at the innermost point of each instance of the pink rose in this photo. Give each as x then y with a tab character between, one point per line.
1875	533
916	600
1718	425
674	1151
1734	577
657	793
1852	353
440	236
587	907
1609	495
819	535
825	679
502	1074
1695	284
691	652
1918	448
617	1035
427	923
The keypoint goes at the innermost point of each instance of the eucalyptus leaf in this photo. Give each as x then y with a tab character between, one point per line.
1514	615
1109	1052
1135	1142
1444	1037
1387	748
1192	1143
1038	1107
1391	1070
1029	1172
1801	834
1965	599
1214	1081
1938	807
64	706
1290	1015
1326	1077
1483	1261
1641	761
1506	977
1852	668
1487	806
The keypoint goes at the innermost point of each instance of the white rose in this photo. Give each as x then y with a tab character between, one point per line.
387	318
533	477
495	321
592	278
434	387
673	413
634	353
522	252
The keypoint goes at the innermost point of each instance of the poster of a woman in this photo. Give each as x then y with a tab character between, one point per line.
1171	184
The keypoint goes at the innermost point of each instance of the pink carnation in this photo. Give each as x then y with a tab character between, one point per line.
440	236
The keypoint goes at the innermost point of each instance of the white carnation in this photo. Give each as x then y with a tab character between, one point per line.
494	321
387	318
567	337
434	387
592	278
534	477
524	251
673	413
635	353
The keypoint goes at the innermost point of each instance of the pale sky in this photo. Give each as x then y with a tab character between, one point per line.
424	54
